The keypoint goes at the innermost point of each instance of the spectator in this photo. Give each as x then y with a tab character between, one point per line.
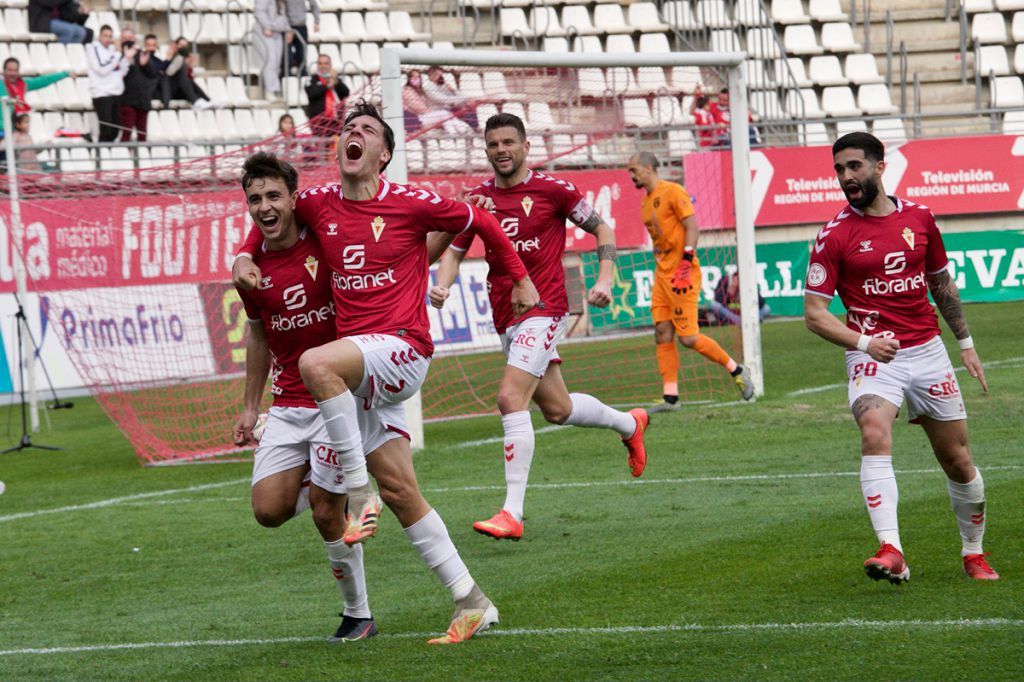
16	87
66	18
706	134
326	93
721	115
107	69
27	158
419	112
286	125
443	96
140	86
726	305
162	91
296	10
180	76
272	32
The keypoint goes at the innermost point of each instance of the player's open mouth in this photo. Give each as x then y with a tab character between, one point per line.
269	221
353	151
852	190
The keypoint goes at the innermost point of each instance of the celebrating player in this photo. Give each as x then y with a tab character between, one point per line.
672	223
533	208
373	234
292	312
883	255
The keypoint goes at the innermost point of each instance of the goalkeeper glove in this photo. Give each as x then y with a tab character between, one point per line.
681	282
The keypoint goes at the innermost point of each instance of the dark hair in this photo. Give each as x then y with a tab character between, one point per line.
364	108
149	36
866	142
18	118
263	165
506	121
11	59
702	101
724	91
106	27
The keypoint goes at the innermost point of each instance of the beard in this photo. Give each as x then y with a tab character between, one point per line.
868	194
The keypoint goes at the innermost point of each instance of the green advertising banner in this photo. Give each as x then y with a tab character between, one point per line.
987	266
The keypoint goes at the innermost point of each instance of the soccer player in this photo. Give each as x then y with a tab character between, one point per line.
533	209
883	256
672	223
373	234
291	312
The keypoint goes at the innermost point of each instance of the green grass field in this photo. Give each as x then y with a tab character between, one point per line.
737	555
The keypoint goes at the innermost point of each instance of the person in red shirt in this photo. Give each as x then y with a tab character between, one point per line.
374	239
883	256
533	209
294	465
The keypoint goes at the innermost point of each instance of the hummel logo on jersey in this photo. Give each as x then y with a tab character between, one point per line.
354	257
332	229
527	205
294	297
908	236
312	266
378	228
895	262
265	283
865	246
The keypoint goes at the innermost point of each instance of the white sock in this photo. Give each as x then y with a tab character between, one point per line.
589	411
347	566
302	502
878	483
430	538
968	501
518	457
339	415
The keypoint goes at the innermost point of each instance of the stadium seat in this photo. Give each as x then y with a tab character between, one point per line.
808	99
69	96
212	30
40	56
636	112
293	90
725	40
496	86
855	126
555	45
685	78
513	23
838	37
799	39
989	28
20	52
579	18
757	77
16	21
542	120
58	56
620	80
544	22
762	44
350	59
713	14
789	12
1008	5
116	158
1013	122
681	142
44	98
765	104
485	111
666	112
814	134
838	101
827	10
236	26
592	83
751	13
76	160
654	43
610	19
796	68
643	16
453	154
680	15
992	61
245	124
206	121
889	130
330	29
1017	28
825	70
170	124
1006	92
52	121
972	6
400	23
587	45
377	27
471	85
236	95
266	126
369	53
569	150
414	156
1018	59
619	45
353	28
243	60
862	68
874	98
650	80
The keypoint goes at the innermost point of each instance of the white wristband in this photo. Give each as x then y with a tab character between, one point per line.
862	343
965	343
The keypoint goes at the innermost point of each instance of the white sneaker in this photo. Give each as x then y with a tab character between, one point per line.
201	104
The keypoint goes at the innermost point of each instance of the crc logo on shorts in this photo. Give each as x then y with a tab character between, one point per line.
895	262
947	389
353	257
510	227
294	297
525	340
816	275
328	456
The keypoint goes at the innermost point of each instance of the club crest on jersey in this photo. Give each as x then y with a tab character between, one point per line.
865	246
265	283
312	265
377	225
527	206
908	236
332	229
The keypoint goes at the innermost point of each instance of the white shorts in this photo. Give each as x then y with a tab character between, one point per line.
532	344
392	372
293	437
923	374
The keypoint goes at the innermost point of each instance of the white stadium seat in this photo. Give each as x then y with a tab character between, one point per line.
989	28
874	98
827	10
713	14
587	45
610	19
972	6
651	80
377	27
761	44
992	61
579	18
838	101
862	68
808	99
1009	5
799	39
353	27
838	37
400	23
619	45
765	104
667	112
555	45
814	134
652	43
644	17
725	40
636	112
592	83
1018	59
789	12
679	14
544	22
796	68
889	130
513	22
757	76
1017	28
1006	92
825	70
750	13
1013	122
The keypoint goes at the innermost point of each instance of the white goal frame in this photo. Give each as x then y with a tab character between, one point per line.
392	59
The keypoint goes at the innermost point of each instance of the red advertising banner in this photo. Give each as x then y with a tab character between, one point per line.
159	238
794	185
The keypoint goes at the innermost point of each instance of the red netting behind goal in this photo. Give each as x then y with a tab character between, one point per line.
131	267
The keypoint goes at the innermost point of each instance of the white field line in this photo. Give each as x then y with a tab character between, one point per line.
829	387
851	623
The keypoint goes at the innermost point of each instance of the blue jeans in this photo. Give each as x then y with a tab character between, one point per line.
67	32
726	316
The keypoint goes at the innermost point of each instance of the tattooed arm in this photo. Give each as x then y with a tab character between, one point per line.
947	300
600	294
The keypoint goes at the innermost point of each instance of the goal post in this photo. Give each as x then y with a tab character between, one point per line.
395	61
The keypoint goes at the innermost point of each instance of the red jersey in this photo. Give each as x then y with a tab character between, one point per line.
879	267
533	215
707	133
377	253
294	303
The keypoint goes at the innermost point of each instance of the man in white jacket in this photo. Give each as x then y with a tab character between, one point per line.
272	31
107	68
